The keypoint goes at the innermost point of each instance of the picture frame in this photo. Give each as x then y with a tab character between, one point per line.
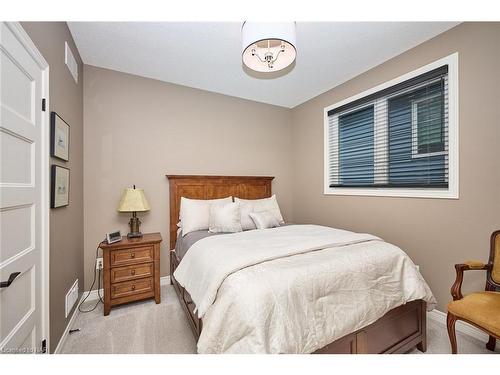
59	191
59	137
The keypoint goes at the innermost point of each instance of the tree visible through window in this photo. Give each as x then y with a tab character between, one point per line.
428	117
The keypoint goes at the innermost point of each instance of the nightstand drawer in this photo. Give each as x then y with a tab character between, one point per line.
131	256
126	273
128	288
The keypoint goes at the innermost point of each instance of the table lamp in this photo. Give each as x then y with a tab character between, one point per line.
133	200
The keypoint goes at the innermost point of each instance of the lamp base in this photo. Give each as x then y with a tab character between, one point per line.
134	226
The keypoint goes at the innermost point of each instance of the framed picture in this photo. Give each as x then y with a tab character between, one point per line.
59	142
59	195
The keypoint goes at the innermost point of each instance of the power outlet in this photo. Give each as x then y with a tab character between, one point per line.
98	264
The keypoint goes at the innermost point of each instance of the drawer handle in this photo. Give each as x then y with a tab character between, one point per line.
132	255
132	272
133	287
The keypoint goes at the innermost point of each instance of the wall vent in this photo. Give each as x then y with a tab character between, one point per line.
70	61
71	297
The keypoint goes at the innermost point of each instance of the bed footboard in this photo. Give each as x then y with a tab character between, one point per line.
398	331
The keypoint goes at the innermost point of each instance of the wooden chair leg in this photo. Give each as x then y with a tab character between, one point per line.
450	323
491	344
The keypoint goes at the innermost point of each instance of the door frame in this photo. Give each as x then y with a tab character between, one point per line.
23	37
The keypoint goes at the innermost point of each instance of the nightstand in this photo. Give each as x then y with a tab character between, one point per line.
131	270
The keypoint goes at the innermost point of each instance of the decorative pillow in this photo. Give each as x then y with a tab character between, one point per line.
225	218
258	205
195	213
246	221
264	220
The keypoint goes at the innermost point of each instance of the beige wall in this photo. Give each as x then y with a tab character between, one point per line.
138	129
66	223
436	233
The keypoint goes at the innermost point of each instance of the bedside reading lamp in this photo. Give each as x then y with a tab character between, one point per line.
133	200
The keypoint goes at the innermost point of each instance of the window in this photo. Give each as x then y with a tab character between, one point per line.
398	139
428	125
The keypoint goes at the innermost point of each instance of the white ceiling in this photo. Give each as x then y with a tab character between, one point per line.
207	55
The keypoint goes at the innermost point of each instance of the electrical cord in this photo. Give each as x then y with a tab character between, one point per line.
98	276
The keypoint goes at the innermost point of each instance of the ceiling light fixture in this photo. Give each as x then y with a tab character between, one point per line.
268	46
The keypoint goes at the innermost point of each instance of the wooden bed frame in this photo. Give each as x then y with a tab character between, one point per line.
398	331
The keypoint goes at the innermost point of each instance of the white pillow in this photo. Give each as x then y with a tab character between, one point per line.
264	220
195	213
258	205
224	218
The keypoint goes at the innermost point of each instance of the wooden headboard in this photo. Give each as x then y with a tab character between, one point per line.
212	187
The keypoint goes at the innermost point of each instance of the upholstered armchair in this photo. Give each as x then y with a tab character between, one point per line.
481	309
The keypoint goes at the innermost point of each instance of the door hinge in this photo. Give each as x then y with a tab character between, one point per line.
43	105
44	346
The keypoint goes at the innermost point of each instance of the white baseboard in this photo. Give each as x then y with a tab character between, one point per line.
92	296
462	327
165	280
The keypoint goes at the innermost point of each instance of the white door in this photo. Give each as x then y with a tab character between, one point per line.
23	204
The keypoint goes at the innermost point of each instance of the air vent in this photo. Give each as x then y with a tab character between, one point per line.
70	61
71	297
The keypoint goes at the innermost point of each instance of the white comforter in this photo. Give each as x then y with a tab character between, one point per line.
294	289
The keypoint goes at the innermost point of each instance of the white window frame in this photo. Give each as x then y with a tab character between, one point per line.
452	192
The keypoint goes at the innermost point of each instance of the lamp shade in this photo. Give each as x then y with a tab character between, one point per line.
133	200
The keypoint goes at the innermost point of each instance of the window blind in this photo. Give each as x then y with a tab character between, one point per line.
396	138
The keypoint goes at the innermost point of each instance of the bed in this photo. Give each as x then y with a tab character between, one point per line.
399	330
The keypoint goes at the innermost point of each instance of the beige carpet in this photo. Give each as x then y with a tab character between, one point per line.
145	327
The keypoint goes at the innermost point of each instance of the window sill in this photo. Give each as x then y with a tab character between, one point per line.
401	193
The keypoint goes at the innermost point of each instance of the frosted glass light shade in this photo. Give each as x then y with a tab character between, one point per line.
133	200
268	46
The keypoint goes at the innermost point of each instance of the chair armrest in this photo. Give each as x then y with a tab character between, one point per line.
469	265
475	265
